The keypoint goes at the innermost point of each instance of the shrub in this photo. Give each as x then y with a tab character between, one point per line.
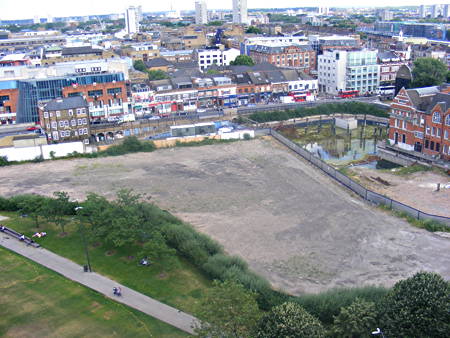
327	304
356	320
4	161
323	109
418	307
289	320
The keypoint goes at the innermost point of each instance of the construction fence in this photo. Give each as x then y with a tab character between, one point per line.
366	194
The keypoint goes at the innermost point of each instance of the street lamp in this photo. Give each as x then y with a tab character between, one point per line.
86	251
377	332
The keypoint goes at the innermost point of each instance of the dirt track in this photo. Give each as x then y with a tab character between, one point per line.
291	223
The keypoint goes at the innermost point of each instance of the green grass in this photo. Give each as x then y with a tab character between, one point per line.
37	302
415	168
181	287
426	224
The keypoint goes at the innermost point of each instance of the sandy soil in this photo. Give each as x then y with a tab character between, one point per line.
418	190
290	222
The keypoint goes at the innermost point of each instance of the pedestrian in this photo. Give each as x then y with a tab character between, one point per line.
2	228
115	291
22	238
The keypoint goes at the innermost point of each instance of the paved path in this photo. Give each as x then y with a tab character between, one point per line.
101	284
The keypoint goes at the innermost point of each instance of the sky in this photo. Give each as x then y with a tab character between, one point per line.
27	9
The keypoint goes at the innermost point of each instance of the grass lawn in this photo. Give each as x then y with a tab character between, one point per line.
181	287
37	302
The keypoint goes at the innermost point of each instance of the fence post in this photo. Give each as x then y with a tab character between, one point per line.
418	214
366	194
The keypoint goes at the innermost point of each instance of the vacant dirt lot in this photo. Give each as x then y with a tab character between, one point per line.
291	223
418	190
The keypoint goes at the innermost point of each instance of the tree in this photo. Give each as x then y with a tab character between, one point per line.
428	72
156	249
58	208
140	66
243	60
31	205
156	75
253	30
289	320
228	310
356	320
417	307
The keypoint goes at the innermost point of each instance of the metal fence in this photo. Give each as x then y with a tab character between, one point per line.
366	194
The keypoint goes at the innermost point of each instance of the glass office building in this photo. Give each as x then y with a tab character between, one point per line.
35	91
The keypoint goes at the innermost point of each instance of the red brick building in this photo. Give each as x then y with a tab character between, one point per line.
301	57
8	105
105	100
420	121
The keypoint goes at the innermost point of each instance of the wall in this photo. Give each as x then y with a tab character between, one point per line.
30	153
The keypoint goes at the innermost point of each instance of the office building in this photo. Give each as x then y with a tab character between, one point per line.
132	17
435	11
422	11
201	13
348	70
445	11
240	12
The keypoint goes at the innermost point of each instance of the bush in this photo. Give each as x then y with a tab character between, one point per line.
356	320
4	161
289	320
323	109
418	307
328	304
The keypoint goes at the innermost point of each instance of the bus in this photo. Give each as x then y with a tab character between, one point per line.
386	92
348	93
301	96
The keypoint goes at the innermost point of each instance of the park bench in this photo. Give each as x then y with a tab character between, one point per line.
17	235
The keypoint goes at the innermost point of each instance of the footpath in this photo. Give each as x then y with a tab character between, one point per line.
101	284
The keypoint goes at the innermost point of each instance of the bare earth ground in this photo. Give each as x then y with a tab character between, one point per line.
290	222
418	190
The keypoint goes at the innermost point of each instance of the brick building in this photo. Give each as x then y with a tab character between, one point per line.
420	122
301	57
8	105
66	120
106	100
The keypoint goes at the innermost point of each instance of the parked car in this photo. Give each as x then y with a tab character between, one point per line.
155	117
32	128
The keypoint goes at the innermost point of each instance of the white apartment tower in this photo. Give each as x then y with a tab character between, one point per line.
422	11
201	12
435	11
445	12
132	17
240	12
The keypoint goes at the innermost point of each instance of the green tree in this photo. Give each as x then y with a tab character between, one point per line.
243	60
157	250
253	30
31	205
58	208
289	320
156	75
428	72
140	66
417	307
356	320
228	311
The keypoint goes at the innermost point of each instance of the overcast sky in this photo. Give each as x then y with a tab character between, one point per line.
25	9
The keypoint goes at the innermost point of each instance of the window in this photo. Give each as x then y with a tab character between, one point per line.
93	93
446	134
438	146
85	121
427	131
436	117
447	120
80	131
427	144
61	123
62	133
438	132
112	91
58	113
80	122
55	135
85	131
48	125
73	122
403	138
54	125
70	112
432	145
46	114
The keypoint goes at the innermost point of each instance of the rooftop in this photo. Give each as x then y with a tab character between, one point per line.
66	103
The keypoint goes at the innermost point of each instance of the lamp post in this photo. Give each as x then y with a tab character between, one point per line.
377	332
86	251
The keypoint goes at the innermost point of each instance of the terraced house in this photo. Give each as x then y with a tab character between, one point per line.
419	122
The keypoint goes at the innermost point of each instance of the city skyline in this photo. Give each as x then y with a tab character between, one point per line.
10	11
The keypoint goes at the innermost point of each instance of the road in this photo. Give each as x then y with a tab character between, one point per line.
101	284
